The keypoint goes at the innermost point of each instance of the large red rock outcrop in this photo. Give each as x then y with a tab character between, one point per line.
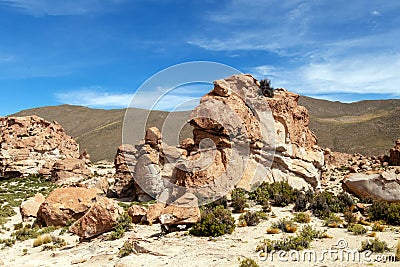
64	205
27	144
240	139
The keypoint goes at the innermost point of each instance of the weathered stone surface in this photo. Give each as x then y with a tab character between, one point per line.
184	210
66	204
379	186
153	137
100	218
394	158
70	171
125	162
27	144
154	212
137	212
29	208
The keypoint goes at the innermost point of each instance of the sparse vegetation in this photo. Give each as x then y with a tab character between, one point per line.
357	229
349	217
214	222
299	242
388	212
302	217
374	245
126	249
246	262
43	239
124	224
285	225
333	221
378	227
250	218
239	200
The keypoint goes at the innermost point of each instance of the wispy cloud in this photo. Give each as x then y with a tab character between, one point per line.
180	98
61	7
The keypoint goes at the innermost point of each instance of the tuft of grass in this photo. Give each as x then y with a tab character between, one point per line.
272	231
302	217
285	225
41	240
333	221
247	262
378	227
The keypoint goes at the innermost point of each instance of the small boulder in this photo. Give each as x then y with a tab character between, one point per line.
185	210
137	212
66	204
101	217
154	212
29	208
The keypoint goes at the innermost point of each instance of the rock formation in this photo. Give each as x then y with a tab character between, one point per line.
66	204
69	171
29	144
394	158
378	186
240	139
100	218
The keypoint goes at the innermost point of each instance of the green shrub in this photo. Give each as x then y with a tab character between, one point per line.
301	203
349	217
378	227
239	200
9	242
285	225
261	194
126	249
124	224
324	203
214	222
333	221
302	217
283	194
357	229
301	241
390	213
248	263
374	245
249	218
27	232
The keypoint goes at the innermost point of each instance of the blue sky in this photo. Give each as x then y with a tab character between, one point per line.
98	52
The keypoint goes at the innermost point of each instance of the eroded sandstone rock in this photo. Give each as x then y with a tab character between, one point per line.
30	144
100	218
64	205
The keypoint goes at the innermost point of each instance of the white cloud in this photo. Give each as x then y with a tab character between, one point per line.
181	98
375	13
61	7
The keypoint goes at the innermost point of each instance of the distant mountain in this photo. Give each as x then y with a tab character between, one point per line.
366	127
100	131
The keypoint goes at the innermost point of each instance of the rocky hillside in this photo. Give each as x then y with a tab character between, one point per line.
367	127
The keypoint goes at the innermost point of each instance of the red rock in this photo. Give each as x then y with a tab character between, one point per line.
69	171
66	204
184	210
100	218
29	208
154	212
137	212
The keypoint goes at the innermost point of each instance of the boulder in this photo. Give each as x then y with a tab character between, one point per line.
29	208
30	144
185	210
64	205
379	186
100	218
125	161
137	213
70	171
153	137
154	212
394	158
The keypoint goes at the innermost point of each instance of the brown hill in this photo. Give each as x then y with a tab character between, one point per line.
366	127
100	131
